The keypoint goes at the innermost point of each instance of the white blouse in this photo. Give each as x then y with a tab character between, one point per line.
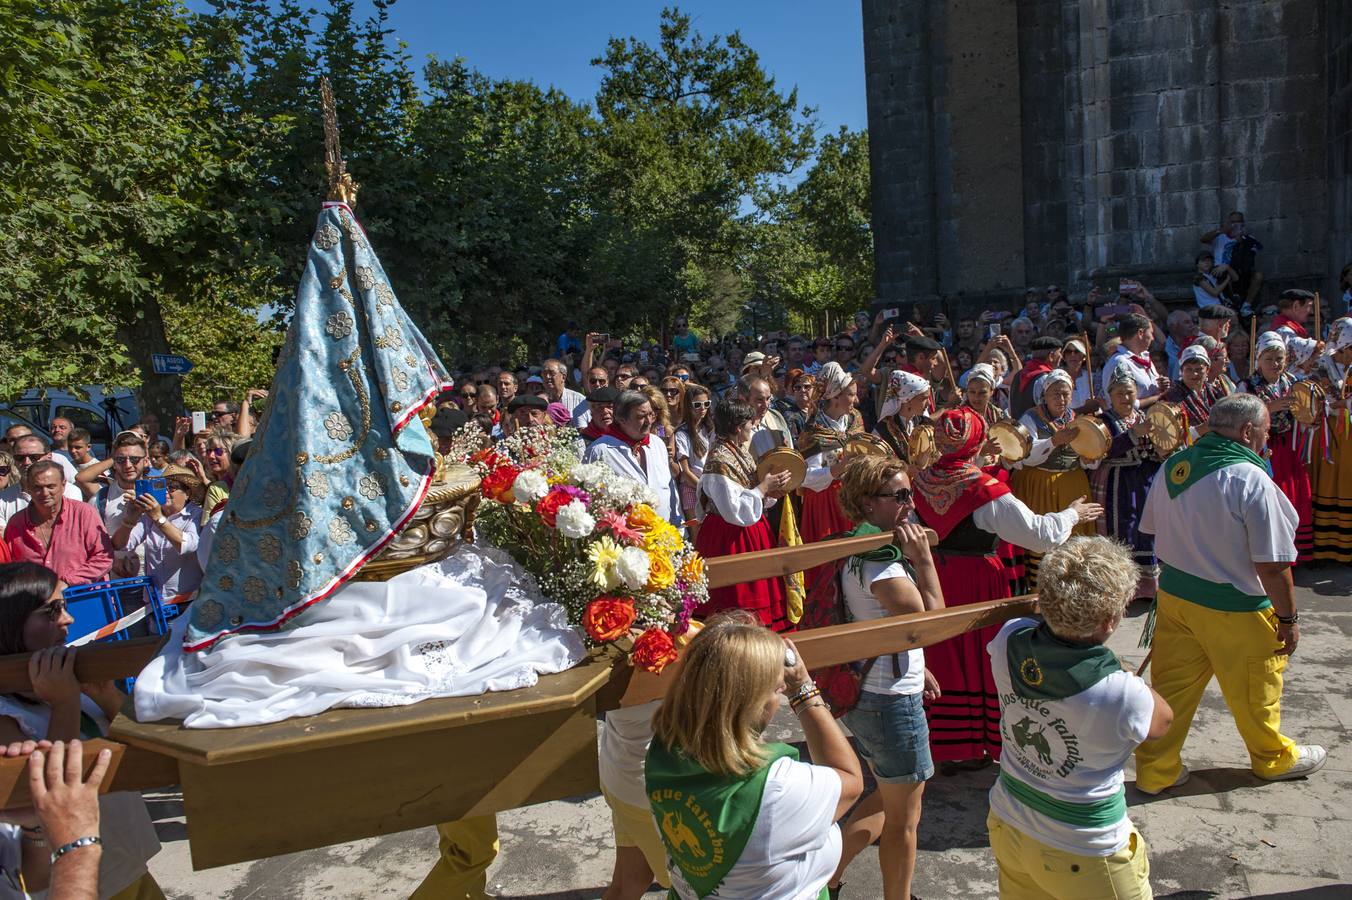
735	504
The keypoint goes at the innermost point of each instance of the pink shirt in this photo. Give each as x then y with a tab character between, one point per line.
80	551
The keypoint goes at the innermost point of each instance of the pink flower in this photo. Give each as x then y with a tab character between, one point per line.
618	524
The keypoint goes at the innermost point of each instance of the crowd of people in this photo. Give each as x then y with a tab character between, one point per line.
1068	448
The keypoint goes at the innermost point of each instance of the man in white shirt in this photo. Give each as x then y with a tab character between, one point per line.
554	374
1225	538
635	454
1135	330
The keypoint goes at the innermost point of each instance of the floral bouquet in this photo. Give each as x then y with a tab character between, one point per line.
591	538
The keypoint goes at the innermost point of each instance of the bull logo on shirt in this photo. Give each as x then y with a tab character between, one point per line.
1027	734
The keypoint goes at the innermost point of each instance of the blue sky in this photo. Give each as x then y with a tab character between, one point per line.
816	46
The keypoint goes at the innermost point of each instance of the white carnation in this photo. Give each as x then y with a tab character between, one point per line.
632	567
530	486
591	475
573	521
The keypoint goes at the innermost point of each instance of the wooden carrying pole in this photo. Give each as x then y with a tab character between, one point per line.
723	571
1253	344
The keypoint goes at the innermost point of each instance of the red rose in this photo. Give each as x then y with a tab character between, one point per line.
497	484
653	650
551	503
608	618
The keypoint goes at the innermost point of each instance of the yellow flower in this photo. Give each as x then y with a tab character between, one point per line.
643	517
604	553
662	537
660	573
692	570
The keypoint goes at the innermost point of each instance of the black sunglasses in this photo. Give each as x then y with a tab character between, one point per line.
902	497
844	346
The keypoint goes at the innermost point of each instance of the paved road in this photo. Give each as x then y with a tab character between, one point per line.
1225	834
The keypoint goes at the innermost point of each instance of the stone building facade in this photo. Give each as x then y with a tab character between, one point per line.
1030	142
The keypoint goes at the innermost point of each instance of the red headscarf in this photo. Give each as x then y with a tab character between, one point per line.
950	490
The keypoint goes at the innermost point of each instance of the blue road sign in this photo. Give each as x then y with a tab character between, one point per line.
170	364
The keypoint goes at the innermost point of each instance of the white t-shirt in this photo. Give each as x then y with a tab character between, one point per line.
1221	247
1247	520
685	450
129	838
625	737
907	674
1071	749
1203	298
795	844
175	568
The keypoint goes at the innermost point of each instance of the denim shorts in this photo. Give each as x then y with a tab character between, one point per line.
893	736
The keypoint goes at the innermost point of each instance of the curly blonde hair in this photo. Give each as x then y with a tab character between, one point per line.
1083	583
862	478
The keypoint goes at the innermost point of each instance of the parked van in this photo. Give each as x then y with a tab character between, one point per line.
102	411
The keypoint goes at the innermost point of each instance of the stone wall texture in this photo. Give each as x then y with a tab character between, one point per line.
1079	141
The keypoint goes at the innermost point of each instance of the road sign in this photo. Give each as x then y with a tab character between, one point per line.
170	364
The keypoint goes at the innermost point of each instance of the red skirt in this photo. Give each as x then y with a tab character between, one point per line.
1293	477
821	518
964	723
765	598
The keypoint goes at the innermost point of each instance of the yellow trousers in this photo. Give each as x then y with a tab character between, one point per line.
143	888
1031	870
1191	644
468	847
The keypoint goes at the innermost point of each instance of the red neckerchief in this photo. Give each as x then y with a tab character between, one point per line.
1143	361
618	433
592	431
976	493
1032	370
1283	320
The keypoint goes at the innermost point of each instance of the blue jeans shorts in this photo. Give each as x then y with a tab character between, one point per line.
893	736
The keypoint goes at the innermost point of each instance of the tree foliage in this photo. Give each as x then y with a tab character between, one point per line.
160	171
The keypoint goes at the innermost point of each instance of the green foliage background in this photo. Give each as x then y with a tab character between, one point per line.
160	172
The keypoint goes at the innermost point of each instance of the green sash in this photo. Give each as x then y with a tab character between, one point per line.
1217	595
1186	467
704	819
1043	666
1096	814
888	553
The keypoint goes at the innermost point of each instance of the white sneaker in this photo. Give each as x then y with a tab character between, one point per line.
1181	780
1310	758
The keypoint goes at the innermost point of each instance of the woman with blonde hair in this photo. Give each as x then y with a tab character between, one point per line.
673	392
1058	813
663	427
220	445
741	818
694	439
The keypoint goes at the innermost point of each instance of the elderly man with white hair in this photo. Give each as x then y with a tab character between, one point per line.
1225	537
628	447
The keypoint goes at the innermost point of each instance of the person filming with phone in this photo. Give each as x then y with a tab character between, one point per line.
164	520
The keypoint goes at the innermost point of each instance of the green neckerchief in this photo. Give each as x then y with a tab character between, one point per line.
704	819
1043	666
1186	467
888	553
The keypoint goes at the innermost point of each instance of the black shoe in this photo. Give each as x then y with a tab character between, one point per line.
834	892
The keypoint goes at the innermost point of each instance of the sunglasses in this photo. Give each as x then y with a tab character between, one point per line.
672	392
597	380
215	451
683	376
54	610
123	460
844	346
4	471
28	457
902	497
701	404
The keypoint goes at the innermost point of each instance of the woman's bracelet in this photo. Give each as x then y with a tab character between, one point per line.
814	703
803	690
800	699
76	844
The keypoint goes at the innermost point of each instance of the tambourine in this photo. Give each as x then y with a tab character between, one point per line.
1167	428
865	445
1091	440
783	459
1307	402
1013	439
920	446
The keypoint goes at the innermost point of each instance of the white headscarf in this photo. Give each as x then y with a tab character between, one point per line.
1194	352
1077	344
982	371
1267	341
1301	349
1340	335
833	379
902	386
1040	386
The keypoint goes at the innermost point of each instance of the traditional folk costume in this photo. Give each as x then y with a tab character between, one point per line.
1196	405
1121	483
971	512
1051	478
1331	462
821	444
1011	557
1071	718
645	461
1288	444
733	521
771	833
1214	511
894	430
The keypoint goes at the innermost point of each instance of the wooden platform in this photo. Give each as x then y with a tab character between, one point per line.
265	790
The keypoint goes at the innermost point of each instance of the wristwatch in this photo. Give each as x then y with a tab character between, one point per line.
1288	620
161	520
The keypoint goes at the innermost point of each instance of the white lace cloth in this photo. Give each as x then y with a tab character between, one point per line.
472	623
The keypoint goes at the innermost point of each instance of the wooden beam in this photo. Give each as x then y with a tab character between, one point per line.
727	570
93	663
132	769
